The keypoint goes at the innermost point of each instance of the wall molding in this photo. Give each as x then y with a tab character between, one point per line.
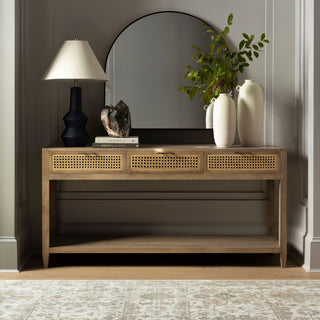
312	49
269	98
8	102
5	239
301	85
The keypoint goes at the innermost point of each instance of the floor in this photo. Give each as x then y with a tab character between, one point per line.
158	267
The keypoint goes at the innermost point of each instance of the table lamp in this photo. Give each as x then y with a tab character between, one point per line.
75	61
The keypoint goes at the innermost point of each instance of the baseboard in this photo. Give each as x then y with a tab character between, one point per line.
8	254
312	254
307	268
15	251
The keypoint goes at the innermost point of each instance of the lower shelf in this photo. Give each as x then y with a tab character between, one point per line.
164	244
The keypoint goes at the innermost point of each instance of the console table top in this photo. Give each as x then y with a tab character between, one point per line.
182	147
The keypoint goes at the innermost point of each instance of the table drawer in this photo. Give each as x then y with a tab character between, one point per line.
165	162
247	162
87	162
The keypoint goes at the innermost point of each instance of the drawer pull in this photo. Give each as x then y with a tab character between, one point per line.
89	154
168	154
244	153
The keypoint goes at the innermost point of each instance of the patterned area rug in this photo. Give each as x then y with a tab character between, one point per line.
159	299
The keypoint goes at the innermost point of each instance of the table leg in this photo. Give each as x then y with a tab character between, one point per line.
53	221
283	213
45	209
270	193
45	222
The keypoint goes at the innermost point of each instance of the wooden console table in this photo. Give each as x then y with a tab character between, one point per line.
176	162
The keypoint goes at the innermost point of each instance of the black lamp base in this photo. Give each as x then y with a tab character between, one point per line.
75	134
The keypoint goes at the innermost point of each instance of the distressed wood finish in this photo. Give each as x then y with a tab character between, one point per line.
164	244
270	192
45	208
181	162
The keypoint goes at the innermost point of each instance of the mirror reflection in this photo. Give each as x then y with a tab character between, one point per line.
145	66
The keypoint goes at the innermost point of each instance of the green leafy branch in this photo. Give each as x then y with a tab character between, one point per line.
218	69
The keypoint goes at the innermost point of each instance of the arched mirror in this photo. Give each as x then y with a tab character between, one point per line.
146	64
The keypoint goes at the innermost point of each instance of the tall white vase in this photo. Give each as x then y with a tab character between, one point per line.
250	113
224	121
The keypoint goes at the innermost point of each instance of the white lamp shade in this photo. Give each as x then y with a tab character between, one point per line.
75	60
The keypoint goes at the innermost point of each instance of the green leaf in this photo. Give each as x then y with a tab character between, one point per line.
256	54
226	30
195	55
213	45
252	37
255	47
241	44
241	68
249	55
260	44
195	47
216	92
266	41
263	36
219	50
230	18
245	36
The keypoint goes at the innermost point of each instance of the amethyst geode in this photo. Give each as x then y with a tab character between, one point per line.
116	120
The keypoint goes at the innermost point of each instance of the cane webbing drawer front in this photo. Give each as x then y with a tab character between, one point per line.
243	162
175	162
86	162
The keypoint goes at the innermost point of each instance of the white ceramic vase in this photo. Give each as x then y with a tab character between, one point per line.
224	121
209	114
250	113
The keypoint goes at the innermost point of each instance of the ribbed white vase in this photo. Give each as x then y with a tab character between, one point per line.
224	121
250	113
